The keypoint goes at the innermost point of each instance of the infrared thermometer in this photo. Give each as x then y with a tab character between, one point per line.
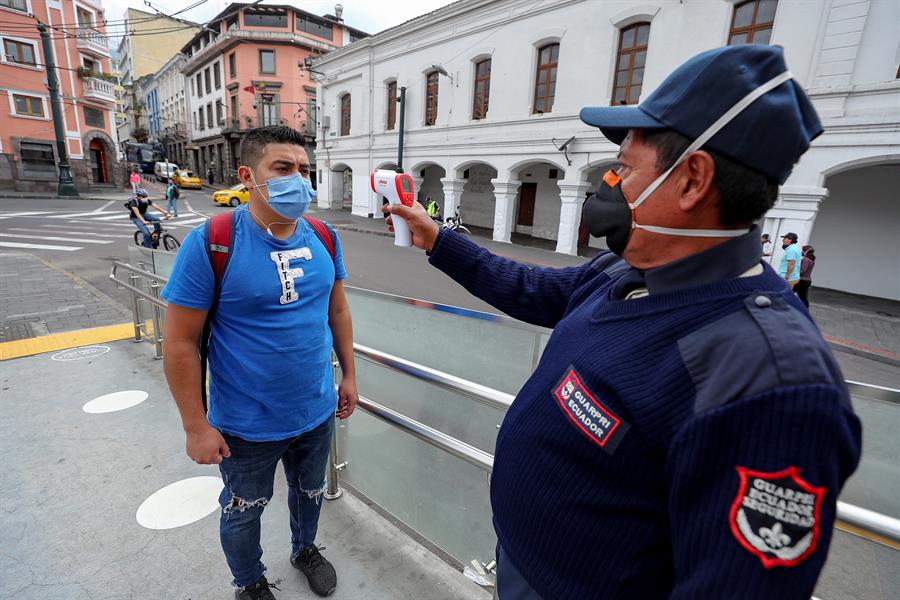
398	189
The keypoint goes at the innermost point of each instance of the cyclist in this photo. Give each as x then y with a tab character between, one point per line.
138	205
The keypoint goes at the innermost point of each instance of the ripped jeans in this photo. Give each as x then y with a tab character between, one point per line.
249	477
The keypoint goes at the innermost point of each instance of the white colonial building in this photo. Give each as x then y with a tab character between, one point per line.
493	90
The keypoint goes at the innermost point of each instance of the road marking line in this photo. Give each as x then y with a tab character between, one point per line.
83	222
119	216
68	339
55	239
24	214
100	210
67	230
39	246
87	214
191	221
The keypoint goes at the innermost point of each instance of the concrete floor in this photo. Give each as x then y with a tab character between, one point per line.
73	482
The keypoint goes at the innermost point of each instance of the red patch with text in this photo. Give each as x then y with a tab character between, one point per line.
593	419
776	516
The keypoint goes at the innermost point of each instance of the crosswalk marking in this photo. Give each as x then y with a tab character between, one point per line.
24	214
86	214
55	239
118	216
67	230
39	246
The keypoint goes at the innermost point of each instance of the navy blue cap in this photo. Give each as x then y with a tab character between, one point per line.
769	136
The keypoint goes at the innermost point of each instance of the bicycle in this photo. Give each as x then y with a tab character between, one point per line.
170	242
454	223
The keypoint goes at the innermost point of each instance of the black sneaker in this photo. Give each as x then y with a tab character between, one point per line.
319	572
257	591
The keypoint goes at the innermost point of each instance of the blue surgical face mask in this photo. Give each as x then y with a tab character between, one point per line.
290	195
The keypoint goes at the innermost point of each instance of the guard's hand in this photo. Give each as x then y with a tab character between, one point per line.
424	230
206	446
347	397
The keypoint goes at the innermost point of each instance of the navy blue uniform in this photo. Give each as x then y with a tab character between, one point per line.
685	435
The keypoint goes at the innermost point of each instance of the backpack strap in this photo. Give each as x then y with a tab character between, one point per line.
218	241
323	233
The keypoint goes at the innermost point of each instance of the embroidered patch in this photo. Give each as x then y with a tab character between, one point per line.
593	419
775	516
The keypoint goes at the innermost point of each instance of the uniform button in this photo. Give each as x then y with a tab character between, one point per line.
763	301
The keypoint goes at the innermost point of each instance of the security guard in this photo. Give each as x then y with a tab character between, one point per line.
687	431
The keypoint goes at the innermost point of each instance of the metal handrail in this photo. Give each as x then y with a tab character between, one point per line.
870	521
148	297
480	393
874	392
460	449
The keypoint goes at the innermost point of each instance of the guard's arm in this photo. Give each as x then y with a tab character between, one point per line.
531	294
341	324
753	491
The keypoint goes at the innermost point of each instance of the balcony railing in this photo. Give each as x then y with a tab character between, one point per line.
99	89
90	38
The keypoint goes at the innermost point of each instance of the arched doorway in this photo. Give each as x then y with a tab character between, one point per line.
478	195
99	156
537	203
855	232
428	178
341	188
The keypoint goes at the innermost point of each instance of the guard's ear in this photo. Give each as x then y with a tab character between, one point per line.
696	180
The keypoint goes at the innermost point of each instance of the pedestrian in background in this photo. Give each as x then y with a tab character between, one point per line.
790	261
806	266
211	174
766	245
135	179
172	195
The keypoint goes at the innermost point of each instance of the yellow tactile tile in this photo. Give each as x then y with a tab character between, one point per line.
68	339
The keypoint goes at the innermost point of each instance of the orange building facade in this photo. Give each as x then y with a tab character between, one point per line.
246	69
28	151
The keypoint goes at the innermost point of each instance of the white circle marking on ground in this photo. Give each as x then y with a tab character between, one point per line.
115	401
180	503
80	353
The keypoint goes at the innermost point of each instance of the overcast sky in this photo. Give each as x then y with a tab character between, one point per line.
370	16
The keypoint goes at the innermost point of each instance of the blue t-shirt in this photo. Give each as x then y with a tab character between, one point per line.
793	253
270	349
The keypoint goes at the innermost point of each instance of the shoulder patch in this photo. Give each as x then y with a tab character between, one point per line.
768	344
776	516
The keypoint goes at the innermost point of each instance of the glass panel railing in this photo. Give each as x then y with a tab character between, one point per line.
441	497
876	483
441	337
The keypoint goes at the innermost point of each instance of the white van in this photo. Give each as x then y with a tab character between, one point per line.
164	170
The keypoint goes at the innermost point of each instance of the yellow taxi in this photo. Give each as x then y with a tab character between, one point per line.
236	194
186	179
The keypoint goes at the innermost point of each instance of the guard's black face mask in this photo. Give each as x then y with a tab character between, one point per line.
607	213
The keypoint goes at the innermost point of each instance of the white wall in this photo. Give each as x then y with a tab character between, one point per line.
856	233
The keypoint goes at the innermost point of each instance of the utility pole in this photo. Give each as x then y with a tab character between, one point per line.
66	184
402	102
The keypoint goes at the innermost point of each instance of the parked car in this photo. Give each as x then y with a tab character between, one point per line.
186	179
233	196
164	170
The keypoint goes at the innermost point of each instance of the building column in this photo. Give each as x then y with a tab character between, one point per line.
417	185
505	192
794	212
571	199
453	189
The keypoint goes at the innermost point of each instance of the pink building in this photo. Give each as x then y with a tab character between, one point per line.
246	70
28	153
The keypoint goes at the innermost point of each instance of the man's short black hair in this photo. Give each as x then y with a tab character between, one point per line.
253	146
744	194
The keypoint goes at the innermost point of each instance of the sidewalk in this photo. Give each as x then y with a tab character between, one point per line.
148	182
860	325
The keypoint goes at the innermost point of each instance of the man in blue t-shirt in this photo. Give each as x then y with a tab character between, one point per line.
790	260
281	309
